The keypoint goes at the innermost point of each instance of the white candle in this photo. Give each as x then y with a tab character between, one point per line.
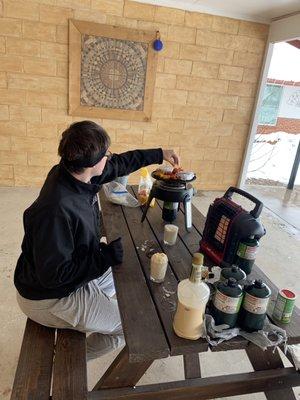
170	234
158	267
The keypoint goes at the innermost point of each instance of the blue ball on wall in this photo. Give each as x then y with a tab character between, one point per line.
158	45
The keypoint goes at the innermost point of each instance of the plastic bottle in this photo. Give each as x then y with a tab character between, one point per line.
246	253
145	186
233	272
193	295
227	302
169	211
254	307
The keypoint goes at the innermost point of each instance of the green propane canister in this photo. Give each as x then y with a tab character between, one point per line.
246	253
233	272
254	307
227	302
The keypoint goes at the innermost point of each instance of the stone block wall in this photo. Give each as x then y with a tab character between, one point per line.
205	86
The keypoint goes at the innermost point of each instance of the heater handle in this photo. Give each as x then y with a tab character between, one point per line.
258	204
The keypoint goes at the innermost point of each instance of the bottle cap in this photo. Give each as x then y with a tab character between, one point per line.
234	268
232	282
198	259
258	283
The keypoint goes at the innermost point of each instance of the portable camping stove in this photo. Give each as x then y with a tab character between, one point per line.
174	192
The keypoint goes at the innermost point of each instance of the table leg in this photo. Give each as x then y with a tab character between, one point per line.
264	360
122	373
191	364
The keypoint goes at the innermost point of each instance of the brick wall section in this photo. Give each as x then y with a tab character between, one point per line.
288	125
205	86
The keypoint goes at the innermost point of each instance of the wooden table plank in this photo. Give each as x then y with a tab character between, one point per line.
70	372
191	365
206	388
34	370
164	294
143	331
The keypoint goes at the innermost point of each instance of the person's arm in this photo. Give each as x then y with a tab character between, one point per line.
56	260
125	163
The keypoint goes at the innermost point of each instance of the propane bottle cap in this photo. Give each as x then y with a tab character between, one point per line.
258	283
234	268
232	282
198	259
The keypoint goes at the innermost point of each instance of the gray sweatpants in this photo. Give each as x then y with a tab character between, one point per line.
89	309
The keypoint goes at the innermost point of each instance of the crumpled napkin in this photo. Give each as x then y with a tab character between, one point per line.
294	350
270	335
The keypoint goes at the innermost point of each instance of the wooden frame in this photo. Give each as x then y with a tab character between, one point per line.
76	29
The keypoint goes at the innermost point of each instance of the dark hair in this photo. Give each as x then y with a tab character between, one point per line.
82	140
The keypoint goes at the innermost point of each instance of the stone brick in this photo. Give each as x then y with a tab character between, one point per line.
253	29
49	115
116	124
6	172
197	125
153	26
170	125
22	81
40	66
231	142
173	96
165	81
231	73
193	52
227	166
182	34
199	99
3	80
90	15
12	128
169	15
160	64
236	116
225	25
30	175
251	75
10	63
198	20
25	113
246	104
242	89
57	51
189	83
121	21
49	145
220	128
10	27
129	137
75	3
178	139
210	114
170	50
158	138
21	9
214	86
5	142
62	69
42	99
26	144
12	96
215	154
253	45
54	84
42	159
205	69
13	157
246	59
193	152
39	30
221	56
224	101
144	126
178	67
41	130
185	112
241	130
1	8
215	39
4	112
2	45
62	102
23	47
56	15
160	110
202	165
139	11
235	155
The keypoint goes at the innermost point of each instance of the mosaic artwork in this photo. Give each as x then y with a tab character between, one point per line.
113	73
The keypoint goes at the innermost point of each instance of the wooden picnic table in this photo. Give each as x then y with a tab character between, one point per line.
147	311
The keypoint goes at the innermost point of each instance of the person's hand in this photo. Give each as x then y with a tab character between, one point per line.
113	252
171	157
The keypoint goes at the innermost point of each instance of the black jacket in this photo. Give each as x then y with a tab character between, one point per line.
60	249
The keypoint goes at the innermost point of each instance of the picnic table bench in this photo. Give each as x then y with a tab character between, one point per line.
52	362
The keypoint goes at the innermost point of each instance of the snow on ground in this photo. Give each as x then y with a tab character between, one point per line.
272	157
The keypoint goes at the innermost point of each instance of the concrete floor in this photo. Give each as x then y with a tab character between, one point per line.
278	256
